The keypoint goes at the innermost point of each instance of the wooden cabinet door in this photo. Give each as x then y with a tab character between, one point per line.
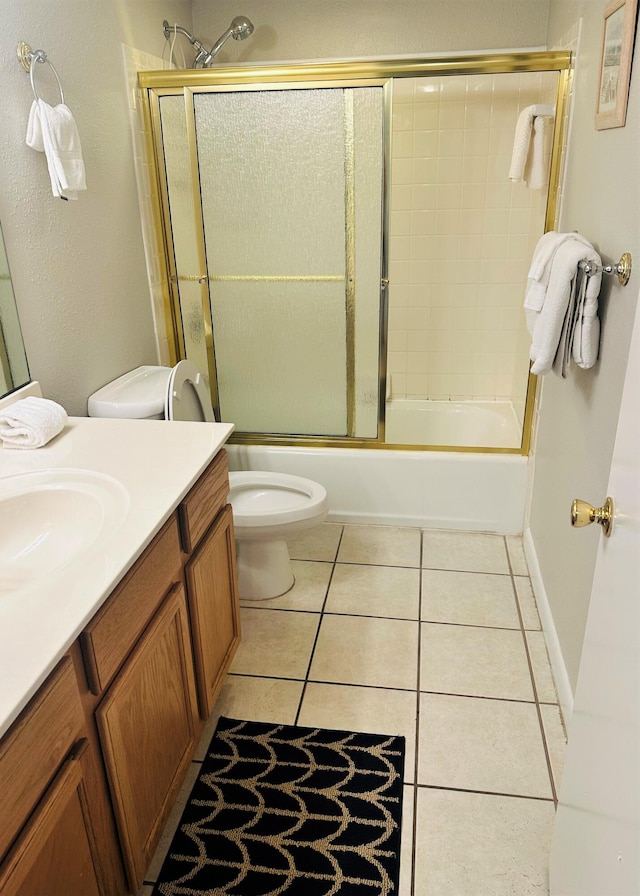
54	855
148	723
213	606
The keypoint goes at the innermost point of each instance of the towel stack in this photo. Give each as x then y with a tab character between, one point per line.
528	161
561	304
52	130
31	422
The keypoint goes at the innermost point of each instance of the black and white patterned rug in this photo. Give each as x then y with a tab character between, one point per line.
284	809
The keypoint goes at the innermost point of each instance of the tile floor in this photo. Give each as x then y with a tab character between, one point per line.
433	635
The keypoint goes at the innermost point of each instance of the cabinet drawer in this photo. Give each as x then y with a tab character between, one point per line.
204	501
35	747
114	630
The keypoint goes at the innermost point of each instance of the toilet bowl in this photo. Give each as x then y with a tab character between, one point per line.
268	508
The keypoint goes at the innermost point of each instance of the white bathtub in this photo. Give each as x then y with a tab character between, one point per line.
474	424
428	489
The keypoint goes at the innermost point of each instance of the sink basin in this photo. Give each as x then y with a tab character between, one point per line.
51	517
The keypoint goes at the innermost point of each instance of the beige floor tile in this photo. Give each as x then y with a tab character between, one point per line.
542	674
478	662
308	592
406	844
473	844
374	710
380	545
320	543
254	700
515	549
488	745
172	823
464	551
375	591
527	602
556	741
468	598
369	651
276	643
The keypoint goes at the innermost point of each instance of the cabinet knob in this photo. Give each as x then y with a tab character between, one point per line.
583	514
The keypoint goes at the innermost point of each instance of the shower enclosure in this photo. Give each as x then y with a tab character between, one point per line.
345	255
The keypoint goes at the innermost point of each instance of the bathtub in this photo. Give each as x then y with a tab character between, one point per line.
427	489
479	424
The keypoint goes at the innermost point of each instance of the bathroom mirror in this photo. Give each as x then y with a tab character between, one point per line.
14	371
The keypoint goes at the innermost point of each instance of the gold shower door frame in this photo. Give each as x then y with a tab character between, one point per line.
379	73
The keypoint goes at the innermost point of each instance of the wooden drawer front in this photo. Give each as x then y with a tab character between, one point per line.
35	747
204	501
117	626
148	723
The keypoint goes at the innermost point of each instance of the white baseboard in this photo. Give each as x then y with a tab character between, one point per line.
558	667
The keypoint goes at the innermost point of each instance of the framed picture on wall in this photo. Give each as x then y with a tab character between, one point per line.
615	63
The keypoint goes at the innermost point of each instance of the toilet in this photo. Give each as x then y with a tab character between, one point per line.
268	508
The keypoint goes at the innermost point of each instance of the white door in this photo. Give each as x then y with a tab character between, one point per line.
596	843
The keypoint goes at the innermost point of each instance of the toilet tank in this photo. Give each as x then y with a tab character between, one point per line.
137	395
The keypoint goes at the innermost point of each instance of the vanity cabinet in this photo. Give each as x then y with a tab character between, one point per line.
56	828
139	661
91	769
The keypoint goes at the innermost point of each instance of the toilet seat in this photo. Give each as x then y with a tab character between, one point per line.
262	500
187	397
268	509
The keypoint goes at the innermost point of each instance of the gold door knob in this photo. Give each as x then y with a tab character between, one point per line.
583	514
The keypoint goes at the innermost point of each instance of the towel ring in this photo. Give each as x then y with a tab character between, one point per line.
27	57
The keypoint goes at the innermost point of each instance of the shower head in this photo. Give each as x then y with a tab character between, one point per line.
239	29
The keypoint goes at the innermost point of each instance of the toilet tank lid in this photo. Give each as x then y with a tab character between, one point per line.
135	395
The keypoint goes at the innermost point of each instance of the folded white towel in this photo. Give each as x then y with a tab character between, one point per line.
546	325
586	337
31	422
538	276
527	160
52	130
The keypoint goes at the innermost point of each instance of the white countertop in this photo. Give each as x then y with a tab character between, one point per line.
157	462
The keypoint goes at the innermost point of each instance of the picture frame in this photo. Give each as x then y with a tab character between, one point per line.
615	63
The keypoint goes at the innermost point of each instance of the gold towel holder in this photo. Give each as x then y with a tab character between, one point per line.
622	270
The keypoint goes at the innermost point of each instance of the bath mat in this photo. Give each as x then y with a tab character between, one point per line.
280	809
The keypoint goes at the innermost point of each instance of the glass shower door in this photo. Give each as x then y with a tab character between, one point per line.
290	188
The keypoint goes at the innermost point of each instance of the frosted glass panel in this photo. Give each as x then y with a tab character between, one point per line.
368	121
294	280
183	224
273	181
280	351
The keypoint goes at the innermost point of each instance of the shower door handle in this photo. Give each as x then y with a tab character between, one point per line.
384	283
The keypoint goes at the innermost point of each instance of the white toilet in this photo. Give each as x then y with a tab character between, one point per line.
268	508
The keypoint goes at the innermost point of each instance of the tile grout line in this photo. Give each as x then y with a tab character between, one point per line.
515	796
315	640
417	734
533	680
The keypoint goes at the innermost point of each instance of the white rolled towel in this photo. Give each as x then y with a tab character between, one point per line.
31	422
527	160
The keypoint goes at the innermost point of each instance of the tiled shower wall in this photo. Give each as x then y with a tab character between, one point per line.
461	237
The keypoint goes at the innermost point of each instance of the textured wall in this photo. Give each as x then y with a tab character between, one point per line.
578	416
78	267
315	29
